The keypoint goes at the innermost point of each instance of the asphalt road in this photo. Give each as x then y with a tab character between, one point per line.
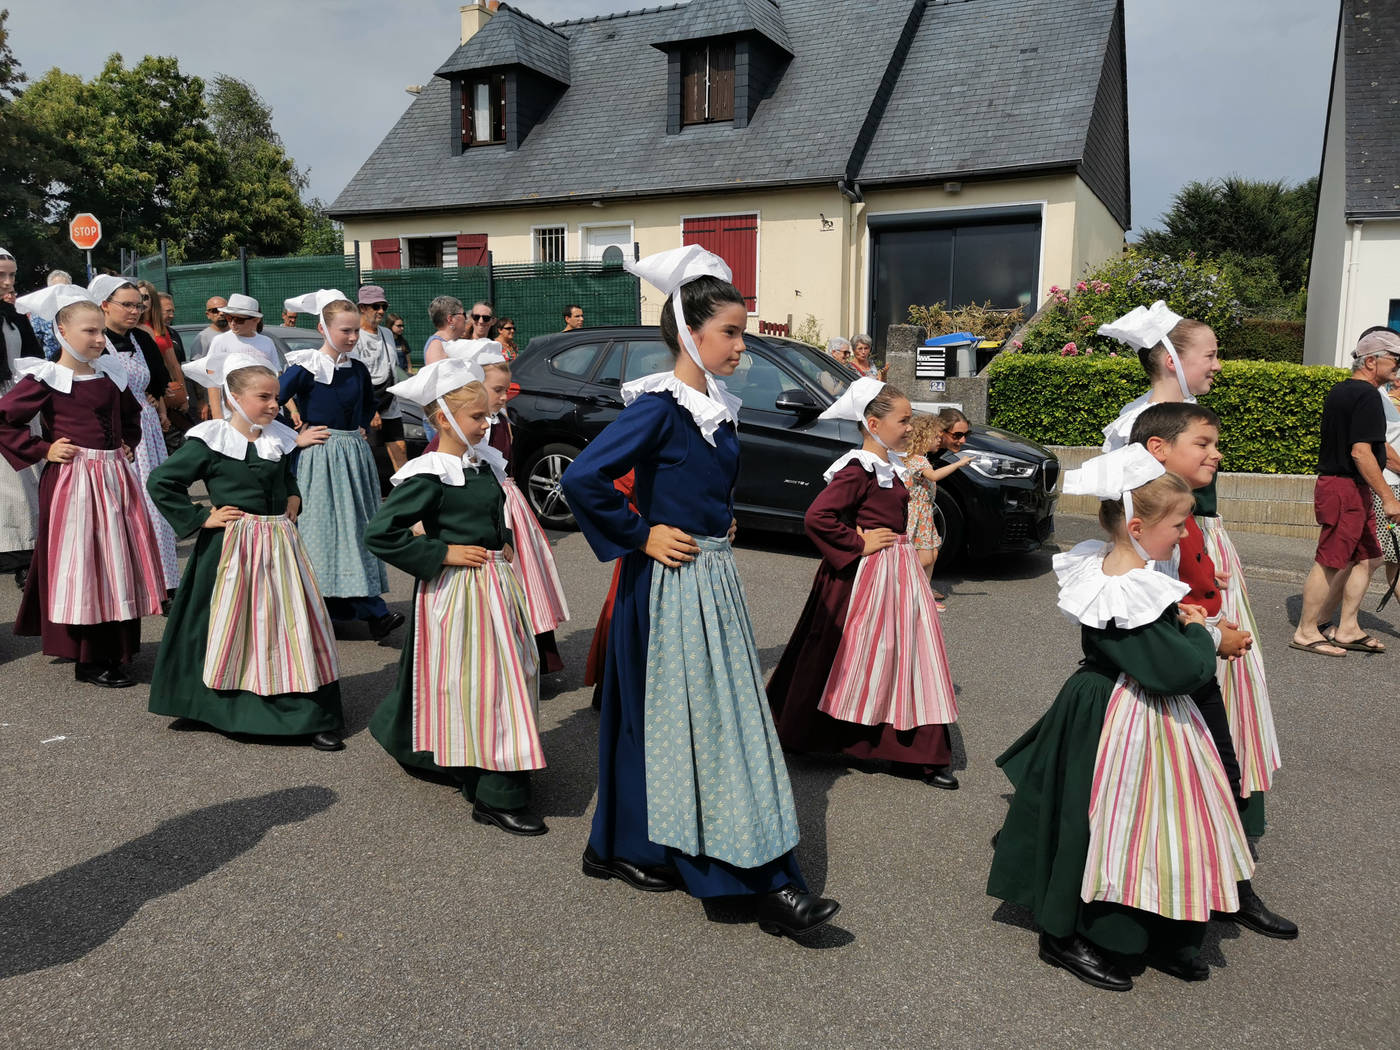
168	888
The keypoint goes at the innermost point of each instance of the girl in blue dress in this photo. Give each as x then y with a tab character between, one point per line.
692	788
338	479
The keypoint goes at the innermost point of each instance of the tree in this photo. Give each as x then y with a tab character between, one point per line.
323	236
30	224
1261	231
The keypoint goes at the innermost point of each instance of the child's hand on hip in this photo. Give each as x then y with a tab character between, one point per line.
876	539
313	436
61	451
670	546
221	516
464	555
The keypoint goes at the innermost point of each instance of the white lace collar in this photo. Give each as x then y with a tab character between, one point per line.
1090	596
452	470
275	441
60	377
705	410
320	365
1116	434
884	472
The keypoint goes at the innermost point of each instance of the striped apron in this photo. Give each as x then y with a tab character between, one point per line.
891	667
269	632
475	684
1164	835
534	564
1242	683
104	564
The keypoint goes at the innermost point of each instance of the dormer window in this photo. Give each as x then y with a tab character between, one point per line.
484	110
707	82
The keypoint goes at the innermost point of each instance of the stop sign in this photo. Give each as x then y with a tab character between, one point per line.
85	231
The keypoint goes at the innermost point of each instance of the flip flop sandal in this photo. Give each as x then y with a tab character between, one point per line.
1312	647
1364	644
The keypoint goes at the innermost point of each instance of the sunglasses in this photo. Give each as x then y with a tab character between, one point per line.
126	306
507	328
483	317
959	435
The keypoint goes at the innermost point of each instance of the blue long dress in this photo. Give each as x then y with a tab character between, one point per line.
684	482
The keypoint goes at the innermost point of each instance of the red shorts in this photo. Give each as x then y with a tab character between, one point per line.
1343	508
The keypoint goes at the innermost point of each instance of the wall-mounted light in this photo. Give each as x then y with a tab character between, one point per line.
597	204
952	187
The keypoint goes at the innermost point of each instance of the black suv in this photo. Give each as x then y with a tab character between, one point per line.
569	390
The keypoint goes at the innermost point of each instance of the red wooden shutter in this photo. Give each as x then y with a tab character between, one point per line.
734	238
471	249
385	254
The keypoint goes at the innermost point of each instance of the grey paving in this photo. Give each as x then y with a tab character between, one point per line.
161	888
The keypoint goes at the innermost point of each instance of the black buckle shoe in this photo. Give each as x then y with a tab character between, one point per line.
652	880
380	626
941	778
1255	914
1082	959
793	912
106	676
514	821
327	742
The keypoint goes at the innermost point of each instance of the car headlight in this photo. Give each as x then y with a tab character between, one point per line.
998	468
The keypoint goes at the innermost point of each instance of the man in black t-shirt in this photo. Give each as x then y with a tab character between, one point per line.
1349	469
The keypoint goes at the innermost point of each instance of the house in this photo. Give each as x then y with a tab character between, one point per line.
1354	280
847	159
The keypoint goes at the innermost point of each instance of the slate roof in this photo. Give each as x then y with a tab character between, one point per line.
989	86
512	38
1371	34
723	17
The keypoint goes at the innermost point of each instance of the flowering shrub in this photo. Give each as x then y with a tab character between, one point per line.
1192	287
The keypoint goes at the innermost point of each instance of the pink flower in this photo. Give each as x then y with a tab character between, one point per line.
1081	287
1072	348
1112	354
1016	343
1054	289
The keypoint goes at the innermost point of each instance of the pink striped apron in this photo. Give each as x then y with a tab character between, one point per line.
1242	683
891	667
104	564
269	632
1164	834
534	564
475	684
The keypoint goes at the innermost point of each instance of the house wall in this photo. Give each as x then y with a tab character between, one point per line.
812	243
1376	281
1324	336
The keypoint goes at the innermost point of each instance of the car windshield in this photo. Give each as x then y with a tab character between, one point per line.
816	367
301	342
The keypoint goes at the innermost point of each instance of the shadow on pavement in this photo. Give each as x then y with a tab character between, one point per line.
63	917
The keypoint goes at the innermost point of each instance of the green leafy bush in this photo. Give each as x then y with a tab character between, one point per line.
1270	411
1192	287
1261	339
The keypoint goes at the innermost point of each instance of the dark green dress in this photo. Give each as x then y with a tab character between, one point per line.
1044	842
472	514
256	486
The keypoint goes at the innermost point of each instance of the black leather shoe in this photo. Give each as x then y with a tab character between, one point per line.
1082	959
1255	914
1183	969
327	742
515	821
652	880
942	778
380	626
793	912
110	676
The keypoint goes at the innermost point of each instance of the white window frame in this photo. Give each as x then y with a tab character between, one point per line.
535	232
757	246
584	227
403	244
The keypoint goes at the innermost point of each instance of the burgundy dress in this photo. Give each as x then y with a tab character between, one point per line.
96	413
853	498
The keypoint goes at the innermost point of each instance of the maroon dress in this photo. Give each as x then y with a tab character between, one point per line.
853	498
96	413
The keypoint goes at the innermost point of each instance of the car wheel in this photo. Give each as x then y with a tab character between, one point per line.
543	489
948	519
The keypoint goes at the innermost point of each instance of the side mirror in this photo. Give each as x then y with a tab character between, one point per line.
799	401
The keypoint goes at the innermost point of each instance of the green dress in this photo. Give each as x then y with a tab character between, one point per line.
257	486
472	514
1043	844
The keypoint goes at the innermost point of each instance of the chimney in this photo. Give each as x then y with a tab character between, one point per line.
474	16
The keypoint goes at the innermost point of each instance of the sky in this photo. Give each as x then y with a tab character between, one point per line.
1215	87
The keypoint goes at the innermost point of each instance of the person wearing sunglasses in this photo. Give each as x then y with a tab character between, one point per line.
218	325
378	351
505	335
483	316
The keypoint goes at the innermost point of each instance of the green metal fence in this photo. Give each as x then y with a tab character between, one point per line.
269	281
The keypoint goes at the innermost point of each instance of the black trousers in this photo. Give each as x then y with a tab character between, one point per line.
1212	707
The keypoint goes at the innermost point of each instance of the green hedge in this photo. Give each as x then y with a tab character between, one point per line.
1270	411
1261	339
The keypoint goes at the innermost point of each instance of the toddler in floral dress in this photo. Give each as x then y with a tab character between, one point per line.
925	440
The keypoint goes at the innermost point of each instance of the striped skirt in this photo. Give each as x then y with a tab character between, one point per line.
475	685
534	564
269	632
150	452
104	564
891	667
339	494
1242	683
716	782
1164	835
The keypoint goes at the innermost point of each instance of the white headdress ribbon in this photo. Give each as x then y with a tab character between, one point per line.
1143	327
